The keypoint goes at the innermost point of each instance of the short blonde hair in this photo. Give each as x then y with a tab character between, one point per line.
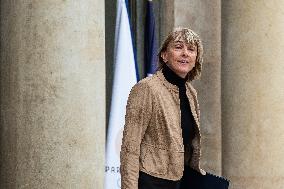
190	37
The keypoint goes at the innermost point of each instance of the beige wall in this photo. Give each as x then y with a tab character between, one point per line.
253	93
52	94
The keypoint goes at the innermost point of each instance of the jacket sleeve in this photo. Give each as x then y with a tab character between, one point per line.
137	118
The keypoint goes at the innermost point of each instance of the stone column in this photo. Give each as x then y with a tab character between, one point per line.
167	10
204	17
253	93
52	94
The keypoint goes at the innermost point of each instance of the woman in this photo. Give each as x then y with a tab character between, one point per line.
162	122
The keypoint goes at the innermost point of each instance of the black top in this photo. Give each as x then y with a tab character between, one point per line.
187	120
146	181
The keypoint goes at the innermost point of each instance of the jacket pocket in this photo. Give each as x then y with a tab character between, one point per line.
155	160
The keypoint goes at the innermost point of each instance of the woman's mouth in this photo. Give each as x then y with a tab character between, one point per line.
183	61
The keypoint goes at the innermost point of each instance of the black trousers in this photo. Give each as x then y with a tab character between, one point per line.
191	179
146	181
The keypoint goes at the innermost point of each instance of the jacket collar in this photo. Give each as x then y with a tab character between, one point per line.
170	86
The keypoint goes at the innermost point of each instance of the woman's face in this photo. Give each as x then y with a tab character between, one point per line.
180	57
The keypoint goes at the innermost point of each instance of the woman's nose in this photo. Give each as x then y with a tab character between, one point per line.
185	52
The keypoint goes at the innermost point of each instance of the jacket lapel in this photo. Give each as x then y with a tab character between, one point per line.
192	98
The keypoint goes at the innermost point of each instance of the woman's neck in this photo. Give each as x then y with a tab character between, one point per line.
172	77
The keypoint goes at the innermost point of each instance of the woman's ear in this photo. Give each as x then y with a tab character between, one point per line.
164	56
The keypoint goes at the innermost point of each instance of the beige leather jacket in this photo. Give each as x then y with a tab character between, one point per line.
152	137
